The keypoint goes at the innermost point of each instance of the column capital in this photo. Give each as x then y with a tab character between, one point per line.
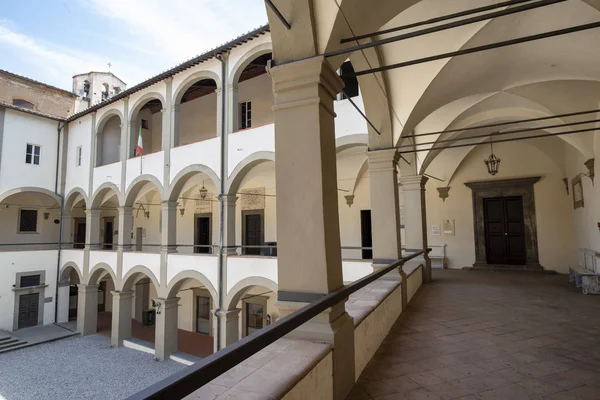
122	295
383	159
163	110
413	182
229	199
176	107
94	212
169	204
235	313
125	209
232	87
66	214
87	288
166	303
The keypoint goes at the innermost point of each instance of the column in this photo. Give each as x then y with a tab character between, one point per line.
169	226
230	325
92	229
232	107
175	125
229	226
66	227
165	343
415	218
121	317
308	234
385	208
87	309
142	297
125	228
220	111
63	301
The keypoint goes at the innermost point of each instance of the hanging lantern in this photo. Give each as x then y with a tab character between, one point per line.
492	162
203	192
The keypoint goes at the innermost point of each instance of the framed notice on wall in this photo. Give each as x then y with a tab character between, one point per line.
448	227
577	192
436	230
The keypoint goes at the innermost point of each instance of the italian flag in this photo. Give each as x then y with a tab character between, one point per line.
140	144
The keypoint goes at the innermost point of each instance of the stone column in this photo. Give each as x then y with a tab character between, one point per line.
385	208
125	228
230	325
415	218
66	227
175	125
142	297
229	226
166	328
87	309
121	317
92	229
63	301
308	233
169	226
232	107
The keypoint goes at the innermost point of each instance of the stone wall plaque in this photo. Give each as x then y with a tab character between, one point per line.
448	227
203	206
253	199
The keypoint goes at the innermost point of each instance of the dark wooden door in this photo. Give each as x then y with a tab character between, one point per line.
79	240
28	310
202	235
253	235
504	230
102	296
365	234
108	234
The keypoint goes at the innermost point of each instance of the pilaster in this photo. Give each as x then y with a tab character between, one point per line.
229	226
230	323
169	226
125	228
87	309
121	317
165	342
66	227
92	229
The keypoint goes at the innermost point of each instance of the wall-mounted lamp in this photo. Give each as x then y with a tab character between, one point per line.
157	305
492	162
46	215
203	192
182	211
147	214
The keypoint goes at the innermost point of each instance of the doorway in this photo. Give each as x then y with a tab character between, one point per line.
255	316
139	232
253	231
366	236
108	233
28	310
203	314
202	234
79	237
102	296
504	230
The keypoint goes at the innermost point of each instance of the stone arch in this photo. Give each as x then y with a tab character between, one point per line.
240	171
30	189
190	80
107	116
97	272
137	184
364	167
72	196
133	273
180	278
145	99
185	174
101	191
65	271
246	59
347	142
239	289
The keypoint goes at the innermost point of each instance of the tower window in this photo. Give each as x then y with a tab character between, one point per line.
246	114
78	156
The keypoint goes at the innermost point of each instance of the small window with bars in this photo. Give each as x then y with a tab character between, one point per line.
28	221
30	280
32	154
78	157
245	115
144	124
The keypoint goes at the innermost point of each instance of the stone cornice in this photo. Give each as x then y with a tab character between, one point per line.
493	184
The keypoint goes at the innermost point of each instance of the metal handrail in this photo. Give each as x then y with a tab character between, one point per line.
192	378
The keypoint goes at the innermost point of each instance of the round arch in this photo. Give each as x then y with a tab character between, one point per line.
66	269
133	273
185	174
180	278
97	272
240	171
247	58
101	192
349	141
190	80
135	109
137	184
72	196
107	116
30	189
239	289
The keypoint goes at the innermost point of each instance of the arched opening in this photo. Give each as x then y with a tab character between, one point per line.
196	112
69	278
256	305
99	302
145	199
108	142
254	95
106	204
146	127
74	233
23	104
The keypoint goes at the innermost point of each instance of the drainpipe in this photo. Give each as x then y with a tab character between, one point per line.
223	171
62	201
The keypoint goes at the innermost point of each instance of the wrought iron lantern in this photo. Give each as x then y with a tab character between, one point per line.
492	162
203	192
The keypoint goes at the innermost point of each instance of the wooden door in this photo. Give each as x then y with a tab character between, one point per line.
28	310
203	315
253	233
79	239
102	296
366	237
202	235
504	230
108	234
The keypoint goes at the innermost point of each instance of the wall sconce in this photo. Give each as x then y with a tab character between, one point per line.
492	162
182	211
203	192
349	200
157	305
46	215
147	214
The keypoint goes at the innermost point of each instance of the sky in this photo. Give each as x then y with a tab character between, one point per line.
52	40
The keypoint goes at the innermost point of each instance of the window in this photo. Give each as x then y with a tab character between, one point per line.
105	92
78	156
144	124
86	89
29	280
22	103
117	89
32	154
246	115
350	82
28	220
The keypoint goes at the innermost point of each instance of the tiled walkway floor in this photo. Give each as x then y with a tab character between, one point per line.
490	335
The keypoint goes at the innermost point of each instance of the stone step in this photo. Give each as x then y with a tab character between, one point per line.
15	346
10	344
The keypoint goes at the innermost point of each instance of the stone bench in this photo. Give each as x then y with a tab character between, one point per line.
585	279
